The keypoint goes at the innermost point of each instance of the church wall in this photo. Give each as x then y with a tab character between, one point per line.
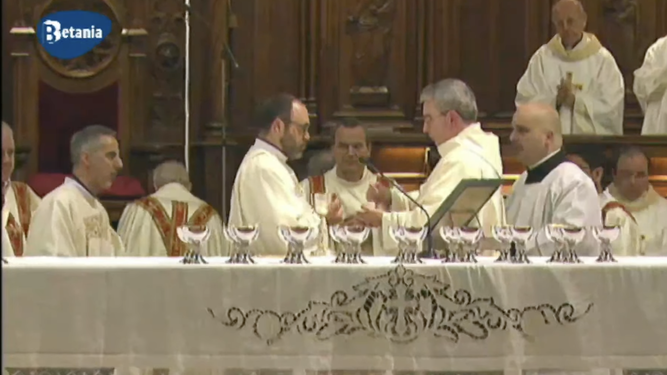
363	58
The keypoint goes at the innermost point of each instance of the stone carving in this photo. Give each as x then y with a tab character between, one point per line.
370	28
167	31
620	35
101	56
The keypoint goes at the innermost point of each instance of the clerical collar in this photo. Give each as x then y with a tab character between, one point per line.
344	182
271	148
575	45
81	186
537	173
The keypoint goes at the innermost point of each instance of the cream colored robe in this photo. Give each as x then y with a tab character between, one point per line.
599	87
566	195
353	197
628	242
473	154
650	87
267	193
20	202
7	249
650	212
70	222
142	237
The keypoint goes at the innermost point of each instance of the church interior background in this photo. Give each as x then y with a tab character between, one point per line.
367	59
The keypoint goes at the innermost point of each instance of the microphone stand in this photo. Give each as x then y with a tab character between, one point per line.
227	52
430	252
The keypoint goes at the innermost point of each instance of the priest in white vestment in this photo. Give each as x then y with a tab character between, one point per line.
70	221
552	190
349	179
19	200
148	227
7	247
266	191
576	75
632	189
467	152
650	87
591	160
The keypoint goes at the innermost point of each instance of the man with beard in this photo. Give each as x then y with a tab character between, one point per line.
349	179
551	190
18	200
266	191
70	221
592	161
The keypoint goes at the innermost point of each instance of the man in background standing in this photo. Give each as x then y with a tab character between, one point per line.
576	75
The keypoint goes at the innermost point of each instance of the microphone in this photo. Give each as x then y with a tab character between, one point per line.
227	50
429	240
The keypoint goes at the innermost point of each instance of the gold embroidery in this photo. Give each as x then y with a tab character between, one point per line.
591	48
94	227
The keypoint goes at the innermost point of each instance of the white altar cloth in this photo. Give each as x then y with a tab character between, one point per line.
123	313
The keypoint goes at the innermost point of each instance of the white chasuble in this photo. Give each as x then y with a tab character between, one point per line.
597	80
148	227
352	196
71	222
554	192
20	202
650	212
650	87
614	214
7	246
267	193
472	154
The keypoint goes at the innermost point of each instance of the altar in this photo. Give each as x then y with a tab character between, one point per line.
106	315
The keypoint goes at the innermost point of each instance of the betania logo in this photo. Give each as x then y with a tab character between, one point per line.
70	34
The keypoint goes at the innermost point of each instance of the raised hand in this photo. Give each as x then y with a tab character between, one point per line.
335	215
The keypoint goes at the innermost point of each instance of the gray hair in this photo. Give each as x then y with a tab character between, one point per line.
170	172
6	127
452	95
87	140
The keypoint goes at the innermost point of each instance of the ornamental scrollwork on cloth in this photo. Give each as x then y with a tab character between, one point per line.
399	305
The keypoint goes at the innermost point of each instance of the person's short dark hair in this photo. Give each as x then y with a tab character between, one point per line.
278	106
628	152
593	155
348	123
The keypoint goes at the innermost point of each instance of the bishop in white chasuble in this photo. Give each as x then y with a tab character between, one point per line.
577	75
71	222
650	87
18	198
552	190
631	189
591	160
266	191
148	227
467	152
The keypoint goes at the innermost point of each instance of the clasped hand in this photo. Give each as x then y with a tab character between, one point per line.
565	94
